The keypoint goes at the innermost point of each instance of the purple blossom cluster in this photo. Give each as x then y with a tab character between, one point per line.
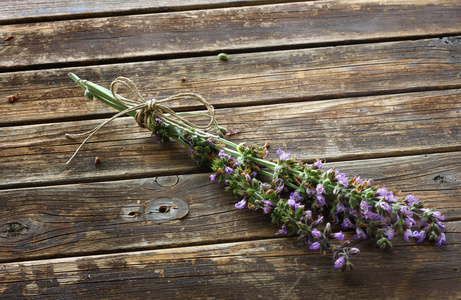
298	192
308	200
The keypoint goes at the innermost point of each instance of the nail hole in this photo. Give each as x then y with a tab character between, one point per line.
164	209
438	179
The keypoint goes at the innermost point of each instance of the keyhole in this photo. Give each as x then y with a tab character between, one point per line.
163	209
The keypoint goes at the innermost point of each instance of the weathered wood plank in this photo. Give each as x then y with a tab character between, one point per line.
32	10
391	125
106	217
245	79
277	268
230	29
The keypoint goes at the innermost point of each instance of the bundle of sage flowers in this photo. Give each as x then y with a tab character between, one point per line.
303	199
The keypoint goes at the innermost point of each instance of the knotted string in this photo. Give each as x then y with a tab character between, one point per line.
151	109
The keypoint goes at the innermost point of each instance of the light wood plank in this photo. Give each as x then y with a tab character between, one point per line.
267	77
32	10
258	269
80	219
342	129
230	29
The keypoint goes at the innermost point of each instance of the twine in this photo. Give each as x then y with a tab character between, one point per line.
150	109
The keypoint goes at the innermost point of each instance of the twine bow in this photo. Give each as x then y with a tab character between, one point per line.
146	111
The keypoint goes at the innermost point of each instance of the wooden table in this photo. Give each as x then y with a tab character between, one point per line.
372	86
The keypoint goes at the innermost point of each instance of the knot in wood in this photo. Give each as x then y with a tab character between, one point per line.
12	230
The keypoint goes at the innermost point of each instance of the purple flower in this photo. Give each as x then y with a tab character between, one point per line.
369	215
213	177
296	197
438	215
221	154
228	170
283	155
358	180
158	120
320	189
360	234
381	191
318	164
347	224
280	185
267	202
241	204
320	200
308	214
422	236
316	233
364	206
406	210
410	199
310	192
339	263
410	222
319	220
385	206
390	233
407	234
292	203
338	235
314	246
282	231
354	213
340	208
342	179
248	178
442	227
297	206
388	196
421	223
441	241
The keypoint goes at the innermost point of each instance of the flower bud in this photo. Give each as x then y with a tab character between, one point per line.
345	243
327	230
353	251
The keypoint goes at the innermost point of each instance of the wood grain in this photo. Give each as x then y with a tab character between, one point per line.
81	219
275	268
354	128
27	11
266	77
134	37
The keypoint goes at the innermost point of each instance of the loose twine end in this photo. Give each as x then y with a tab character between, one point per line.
148	110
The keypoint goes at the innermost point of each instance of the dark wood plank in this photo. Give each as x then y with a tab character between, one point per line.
30	10
97	217
354	128
233	29
280	268
266	77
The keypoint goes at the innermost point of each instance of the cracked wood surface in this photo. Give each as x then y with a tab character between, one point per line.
78	219
245	79
89	41
333	129
373	86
